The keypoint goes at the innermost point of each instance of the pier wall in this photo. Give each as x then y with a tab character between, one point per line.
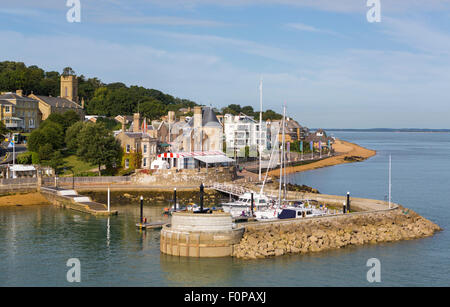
331	232
200	235
190	177
18	185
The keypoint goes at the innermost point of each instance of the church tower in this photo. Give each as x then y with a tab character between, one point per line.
69	88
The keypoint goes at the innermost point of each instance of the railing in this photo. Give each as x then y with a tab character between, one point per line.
230	188
18	181
86	180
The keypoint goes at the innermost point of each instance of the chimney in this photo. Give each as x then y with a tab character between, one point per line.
171	116
197	117
82	103
123	125
136	122
20	93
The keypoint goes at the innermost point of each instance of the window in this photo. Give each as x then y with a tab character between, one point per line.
145	148
127	163
145	162
128	148
7	109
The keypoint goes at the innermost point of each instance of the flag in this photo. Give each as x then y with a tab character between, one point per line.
320	145
288	147
11	144
301	146
329	144
311	145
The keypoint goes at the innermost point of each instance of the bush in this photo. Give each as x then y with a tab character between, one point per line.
25	158
125	172
87	174
35	159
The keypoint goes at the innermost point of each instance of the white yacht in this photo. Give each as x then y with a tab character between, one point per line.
243	204
297	210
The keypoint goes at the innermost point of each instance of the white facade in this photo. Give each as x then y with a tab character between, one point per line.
242	130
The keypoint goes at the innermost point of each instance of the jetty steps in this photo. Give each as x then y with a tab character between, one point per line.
70	199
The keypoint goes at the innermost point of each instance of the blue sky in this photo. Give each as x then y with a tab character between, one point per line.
322	58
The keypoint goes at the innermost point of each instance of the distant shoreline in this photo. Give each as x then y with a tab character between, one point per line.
389	130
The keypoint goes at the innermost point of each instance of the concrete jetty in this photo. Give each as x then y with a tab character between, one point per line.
72	200
370	222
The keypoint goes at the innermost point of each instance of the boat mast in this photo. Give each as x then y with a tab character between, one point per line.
282	156
260	126
274	146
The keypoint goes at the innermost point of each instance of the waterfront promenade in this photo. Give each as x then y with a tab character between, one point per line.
346	152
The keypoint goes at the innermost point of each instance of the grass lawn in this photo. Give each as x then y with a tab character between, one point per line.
77	165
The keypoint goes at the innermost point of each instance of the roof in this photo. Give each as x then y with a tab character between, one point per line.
59	102
137	135
6	102
214	159
13	96
22	168
209	118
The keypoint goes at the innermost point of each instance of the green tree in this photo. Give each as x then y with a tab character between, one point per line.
98	146
57	161
45	153
35	158
72	136
49	133
68	71
3	131
152	109
24	158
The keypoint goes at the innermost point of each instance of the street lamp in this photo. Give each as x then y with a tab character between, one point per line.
73	177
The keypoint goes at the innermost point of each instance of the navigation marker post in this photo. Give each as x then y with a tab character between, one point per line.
109	199
390	179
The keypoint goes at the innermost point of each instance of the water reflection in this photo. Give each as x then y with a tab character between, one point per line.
189	271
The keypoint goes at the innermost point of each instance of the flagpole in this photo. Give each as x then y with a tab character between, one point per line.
260	127
301	149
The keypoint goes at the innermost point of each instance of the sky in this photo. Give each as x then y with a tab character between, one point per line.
322	58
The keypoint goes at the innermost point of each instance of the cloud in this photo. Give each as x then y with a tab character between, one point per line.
417	35
340	6
158	20
306	28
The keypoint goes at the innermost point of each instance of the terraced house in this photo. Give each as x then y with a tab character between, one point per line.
19	112
139	147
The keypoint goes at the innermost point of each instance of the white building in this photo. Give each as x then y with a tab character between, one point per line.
242	131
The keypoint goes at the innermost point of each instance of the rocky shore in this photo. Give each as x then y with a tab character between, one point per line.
319	234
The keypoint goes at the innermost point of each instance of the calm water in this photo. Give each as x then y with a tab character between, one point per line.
35	243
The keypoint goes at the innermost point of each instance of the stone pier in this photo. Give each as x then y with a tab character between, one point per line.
200	235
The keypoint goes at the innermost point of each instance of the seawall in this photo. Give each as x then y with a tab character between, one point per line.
332	232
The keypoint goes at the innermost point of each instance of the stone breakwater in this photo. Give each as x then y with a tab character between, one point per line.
319	234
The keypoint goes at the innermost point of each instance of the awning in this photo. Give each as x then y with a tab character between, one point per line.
189	154
214	159
22	168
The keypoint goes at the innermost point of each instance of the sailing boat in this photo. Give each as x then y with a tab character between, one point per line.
273	211
284	209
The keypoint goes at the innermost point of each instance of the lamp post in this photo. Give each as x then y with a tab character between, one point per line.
202	191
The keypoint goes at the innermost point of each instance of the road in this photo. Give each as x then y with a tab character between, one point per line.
6	154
